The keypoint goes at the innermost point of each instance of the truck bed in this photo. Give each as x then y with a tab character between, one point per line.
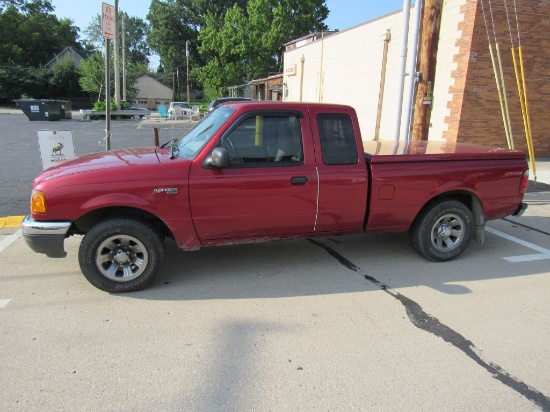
407	177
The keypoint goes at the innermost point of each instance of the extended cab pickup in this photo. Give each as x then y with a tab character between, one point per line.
255	171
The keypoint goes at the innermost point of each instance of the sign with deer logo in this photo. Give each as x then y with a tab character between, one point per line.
56	146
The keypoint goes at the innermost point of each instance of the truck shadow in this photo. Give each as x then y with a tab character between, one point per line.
335	265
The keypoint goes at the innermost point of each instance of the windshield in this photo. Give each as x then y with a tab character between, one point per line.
196	138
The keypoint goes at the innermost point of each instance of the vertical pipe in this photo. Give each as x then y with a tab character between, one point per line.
402	67
259	134
321	76
499	91
387	39
412	68
532	154
302	60
523	109
505	99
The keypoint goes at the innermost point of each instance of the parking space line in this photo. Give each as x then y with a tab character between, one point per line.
9	240
543	255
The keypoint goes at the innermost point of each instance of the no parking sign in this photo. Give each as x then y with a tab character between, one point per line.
56	146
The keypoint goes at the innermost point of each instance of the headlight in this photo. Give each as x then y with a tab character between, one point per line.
38	202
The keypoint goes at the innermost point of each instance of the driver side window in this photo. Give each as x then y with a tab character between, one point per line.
265	141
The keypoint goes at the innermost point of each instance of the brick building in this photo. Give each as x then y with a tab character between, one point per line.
353	67
475	109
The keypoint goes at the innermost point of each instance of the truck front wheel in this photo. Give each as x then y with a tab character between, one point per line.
442	232
121	255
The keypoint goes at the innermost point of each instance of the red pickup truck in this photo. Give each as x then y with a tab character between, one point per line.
256	171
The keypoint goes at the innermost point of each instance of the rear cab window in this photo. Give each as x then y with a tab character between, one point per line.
338	143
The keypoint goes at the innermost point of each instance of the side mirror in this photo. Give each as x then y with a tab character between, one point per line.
219	159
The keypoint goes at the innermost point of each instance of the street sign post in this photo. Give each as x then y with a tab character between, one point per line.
108	30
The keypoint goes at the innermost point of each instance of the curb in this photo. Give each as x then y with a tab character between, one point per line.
11	221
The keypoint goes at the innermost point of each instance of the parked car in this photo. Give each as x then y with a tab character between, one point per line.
216	102
138	112
183	105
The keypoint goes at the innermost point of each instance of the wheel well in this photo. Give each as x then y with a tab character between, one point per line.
466	198
84	223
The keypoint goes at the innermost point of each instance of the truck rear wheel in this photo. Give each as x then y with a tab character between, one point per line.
442	232
121	255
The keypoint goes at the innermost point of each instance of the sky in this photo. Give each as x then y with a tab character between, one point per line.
343	13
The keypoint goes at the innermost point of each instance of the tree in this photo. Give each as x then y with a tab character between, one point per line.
137	49
174	22
18	81
278	22
227	48
24	6
31	35
92	72
63	80
243	44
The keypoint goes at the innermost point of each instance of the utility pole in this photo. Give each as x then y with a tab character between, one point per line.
427	58
123	60
174	85
187	57
117	63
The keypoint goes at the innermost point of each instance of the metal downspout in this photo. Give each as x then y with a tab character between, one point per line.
402	74
387	39
413	78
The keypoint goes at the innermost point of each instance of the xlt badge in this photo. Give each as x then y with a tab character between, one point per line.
167	190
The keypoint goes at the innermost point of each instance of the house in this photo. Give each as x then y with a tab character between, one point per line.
67	54
268	88
151	93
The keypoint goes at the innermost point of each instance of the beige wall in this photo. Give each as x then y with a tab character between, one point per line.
151	90
346	68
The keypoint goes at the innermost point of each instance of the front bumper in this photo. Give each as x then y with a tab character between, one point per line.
45	237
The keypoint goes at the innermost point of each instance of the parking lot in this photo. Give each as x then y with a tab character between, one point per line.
350	323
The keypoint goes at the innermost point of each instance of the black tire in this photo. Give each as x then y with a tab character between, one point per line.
442	231
121	255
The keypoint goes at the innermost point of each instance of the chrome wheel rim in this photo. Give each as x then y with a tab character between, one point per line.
121	258
447	233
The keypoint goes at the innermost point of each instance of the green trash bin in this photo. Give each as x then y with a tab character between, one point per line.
66	109
40	109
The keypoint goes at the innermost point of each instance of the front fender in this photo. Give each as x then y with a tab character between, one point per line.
116	199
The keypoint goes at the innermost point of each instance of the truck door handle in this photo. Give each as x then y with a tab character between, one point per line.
298	180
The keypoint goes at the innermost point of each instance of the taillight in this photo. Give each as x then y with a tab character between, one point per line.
524	182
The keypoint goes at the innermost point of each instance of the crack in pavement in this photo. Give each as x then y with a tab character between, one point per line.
430	324
513	222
